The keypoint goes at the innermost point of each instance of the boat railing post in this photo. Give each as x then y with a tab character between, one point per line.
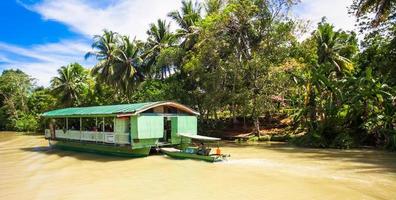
67	124
114	132
80	128
103	130
96	129
67	129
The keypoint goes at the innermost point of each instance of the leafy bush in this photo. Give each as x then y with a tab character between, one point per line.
280	138
343	141
264	138
310	140
253	139
26	123
390	139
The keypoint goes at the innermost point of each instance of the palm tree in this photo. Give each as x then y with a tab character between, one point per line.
105	49
127	62
70	84
212	6
119	59
159	38
383	9
333	47
187	19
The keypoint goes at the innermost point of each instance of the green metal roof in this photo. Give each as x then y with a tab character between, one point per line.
99	110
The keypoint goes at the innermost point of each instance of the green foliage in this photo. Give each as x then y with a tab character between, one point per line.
281	138
41	100
70	84
151	90
343	140
26	123
312	139
374	13
15	88
240	61
264	138
119	60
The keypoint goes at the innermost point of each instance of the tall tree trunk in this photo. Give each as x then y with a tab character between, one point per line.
257	126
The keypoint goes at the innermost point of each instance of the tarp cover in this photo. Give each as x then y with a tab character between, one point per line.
199	137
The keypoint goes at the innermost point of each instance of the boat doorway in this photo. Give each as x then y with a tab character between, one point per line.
167	130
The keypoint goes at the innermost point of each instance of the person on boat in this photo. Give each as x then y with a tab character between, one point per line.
201	149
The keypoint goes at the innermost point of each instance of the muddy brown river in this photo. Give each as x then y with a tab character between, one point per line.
29	169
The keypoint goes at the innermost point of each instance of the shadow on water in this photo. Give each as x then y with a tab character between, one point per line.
88	156
370	160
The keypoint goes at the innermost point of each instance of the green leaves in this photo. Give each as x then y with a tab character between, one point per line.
70	84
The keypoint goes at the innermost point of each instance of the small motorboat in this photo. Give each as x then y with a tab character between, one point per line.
197	153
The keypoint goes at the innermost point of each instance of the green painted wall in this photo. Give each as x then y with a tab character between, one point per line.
147	129
150	126
134	127
141	143
121	125
185	125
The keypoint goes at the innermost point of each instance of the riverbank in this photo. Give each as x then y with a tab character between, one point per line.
31	170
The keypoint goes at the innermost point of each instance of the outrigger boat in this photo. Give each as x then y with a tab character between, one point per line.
195	152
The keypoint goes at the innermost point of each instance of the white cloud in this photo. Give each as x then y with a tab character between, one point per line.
124	16
42	61
335	11
129	17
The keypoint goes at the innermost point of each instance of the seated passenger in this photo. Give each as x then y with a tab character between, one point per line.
201	149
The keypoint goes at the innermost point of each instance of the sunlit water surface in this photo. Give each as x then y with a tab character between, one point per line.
31	170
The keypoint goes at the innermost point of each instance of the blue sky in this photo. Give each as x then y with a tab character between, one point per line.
39	36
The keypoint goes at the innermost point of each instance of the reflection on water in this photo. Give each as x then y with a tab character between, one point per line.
31	170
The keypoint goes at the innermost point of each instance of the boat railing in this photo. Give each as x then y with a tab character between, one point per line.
73	135
88	136
93	136
60	134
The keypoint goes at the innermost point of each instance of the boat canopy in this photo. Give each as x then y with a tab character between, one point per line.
118	110
199	137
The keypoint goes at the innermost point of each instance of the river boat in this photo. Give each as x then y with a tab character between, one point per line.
189	152
124	130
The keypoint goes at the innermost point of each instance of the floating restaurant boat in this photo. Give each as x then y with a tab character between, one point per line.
125	130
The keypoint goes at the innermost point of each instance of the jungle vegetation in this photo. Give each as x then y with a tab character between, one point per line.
237	62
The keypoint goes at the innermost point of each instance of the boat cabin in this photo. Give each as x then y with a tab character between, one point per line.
138	125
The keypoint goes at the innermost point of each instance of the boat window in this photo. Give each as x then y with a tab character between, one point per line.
109	124
74	124
60	124
89	124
